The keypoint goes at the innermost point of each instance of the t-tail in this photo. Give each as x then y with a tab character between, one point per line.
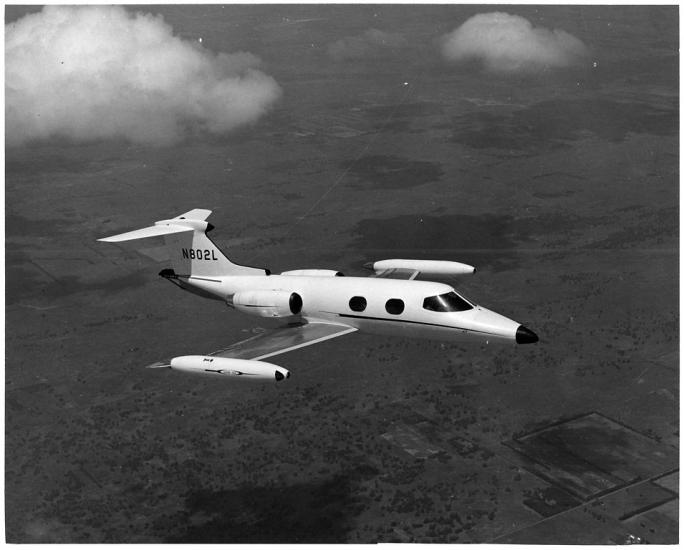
191	251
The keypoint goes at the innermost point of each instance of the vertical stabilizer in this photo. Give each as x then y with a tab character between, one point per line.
192	253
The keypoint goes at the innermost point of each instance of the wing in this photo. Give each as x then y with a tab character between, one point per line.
281	340
404	274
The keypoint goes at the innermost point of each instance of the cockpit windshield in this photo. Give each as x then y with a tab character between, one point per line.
446	302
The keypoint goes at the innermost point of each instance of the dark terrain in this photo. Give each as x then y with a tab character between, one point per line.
561	187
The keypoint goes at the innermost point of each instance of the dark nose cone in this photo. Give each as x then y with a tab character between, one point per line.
279	376
525	336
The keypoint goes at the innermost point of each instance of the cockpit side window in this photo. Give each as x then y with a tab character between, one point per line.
446	302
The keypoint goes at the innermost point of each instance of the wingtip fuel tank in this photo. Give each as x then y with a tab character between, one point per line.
244	369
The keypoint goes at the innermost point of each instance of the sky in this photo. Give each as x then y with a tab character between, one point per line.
94	72
88	73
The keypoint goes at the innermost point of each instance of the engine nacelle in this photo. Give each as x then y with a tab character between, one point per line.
267	303
243	369
314	273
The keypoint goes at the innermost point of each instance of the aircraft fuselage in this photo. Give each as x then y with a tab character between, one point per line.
373	305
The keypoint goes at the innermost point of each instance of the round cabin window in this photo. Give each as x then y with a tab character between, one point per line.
357	303
394	306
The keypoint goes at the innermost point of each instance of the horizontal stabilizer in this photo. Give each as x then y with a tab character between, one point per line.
153	231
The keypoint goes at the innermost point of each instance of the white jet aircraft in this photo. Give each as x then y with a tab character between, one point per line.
316	304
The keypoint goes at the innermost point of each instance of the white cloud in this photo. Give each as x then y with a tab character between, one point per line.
507	43
99	72
371	43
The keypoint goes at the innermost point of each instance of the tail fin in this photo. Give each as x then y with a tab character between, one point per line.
190	250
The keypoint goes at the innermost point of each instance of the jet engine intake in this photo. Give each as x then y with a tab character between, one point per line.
267	303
